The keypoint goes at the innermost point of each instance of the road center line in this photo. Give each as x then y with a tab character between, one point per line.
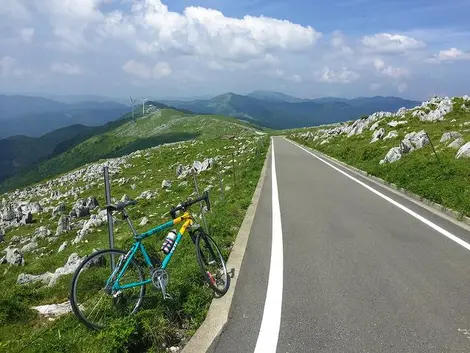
393	202
271	322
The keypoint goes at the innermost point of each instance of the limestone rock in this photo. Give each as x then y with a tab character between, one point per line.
392	134
451	135
166	184
14	257
144	221
464	151
29	247
63	225
63	246
53	309
378	134
393	155
457	143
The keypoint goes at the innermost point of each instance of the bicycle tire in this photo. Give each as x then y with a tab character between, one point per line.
211	245
91	262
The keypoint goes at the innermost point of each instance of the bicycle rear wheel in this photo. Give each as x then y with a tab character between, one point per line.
212	263
94	302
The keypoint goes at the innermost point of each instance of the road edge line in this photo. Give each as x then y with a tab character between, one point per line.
446	213
217	317
268	335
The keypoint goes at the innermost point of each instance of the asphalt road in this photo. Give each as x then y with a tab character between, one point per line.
359	273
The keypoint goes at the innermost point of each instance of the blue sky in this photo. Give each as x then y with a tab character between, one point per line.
307	48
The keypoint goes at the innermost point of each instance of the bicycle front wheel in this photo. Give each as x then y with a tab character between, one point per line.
92	297
212	263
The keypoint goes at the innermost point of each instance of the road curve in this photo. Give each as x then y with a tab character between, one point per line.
359	274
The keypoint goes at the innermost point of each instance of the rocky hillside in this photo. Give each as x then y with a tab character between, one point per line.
48	228
397	146
154	128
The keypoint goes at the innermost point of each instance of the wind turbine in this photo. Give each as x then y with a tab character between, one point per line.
143	104
132	105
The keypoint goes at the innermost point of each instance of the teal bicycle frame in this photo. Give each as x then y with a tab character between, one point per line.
138	245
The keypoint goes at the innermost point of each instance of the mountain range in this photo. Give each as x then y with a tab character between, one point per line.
35	116
69	125
280	111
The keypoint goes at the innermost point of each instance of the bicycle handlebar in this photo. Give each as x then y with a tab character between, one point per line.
189	203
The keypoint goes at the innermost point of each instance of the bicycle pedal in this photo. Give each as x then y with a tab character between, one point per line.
168	296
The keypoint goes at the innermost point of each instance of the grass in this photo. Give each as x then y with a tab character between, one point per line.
162	126
420	172
159	324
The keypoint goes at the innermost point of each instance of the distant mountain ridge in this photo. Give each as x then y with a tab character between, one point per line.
279	111
35	116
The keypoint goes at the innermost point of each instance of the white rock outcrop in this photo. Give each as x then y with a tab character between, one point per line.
393	155
464	151
392	134
451	135
378	134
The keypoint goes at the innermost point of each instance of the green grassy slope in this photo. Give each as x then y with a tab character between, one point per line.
125	136
420	172
20	152
160	323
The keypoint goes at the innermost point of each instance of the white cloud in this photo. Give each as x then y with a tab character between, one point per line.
452	54
391	43
390	71
146	72
208	33
27	34
161	69
66	69
338	41
6	66
342	75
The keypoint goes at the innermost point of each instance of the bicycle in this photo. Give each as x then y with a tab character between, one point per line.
113	280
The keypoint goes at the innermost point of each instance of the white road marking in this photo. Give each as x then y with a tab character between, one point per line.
393	202
271	322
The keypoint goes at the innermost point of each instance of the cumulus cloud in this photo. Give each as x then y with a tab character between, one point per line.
9	68
338	41
146	72
391	43
27	34
66	69
208	33
452	54
343	75
390	71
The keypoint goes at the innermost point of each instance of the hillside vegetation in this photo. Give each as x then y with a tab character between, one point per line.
45	236
397	147
278	111
125	136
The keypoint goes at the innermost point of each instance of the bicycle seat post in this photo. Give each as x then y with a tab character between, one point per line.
125	216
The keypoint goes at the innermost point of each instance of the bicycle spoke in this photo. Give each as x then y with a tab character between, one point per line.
94	302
